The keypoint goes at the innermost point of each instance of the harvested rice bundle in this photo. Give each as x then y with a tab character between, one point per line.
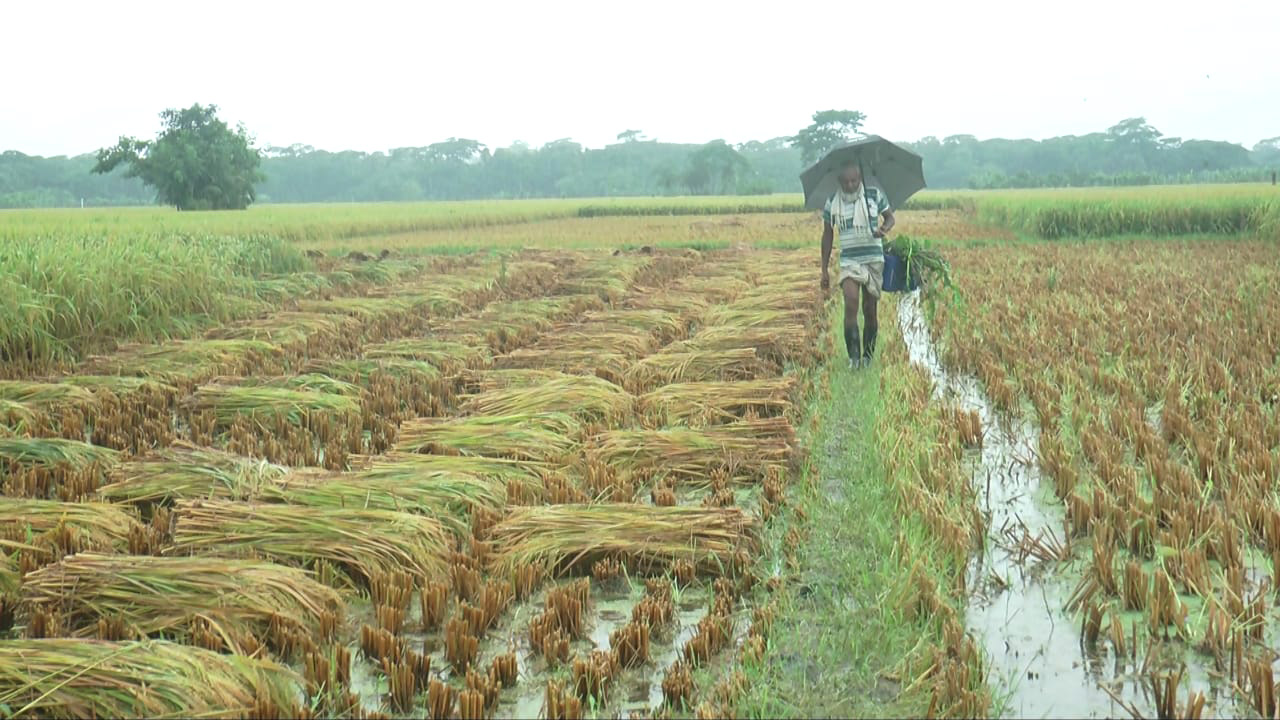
187	362
500	334
185	471
686	304
448	357
291	426
717	402
363	542
482	381
237	601
448	497
379	317
609	288
529	278
694	366
44	395
398	389
545	437
778	343
598	337
780	298
485	467
749	317
666	326
76	678
576	536
46	530
53	467
583	396
303	333
716	288
610	366
745	449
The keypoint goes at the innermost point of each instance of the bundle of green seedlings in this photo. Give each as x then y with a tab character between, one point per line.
299	334
76	678
718	402
450	358
45	531
669	367
563	537
398	389
185	363
583	396
238	605
360	542
297	427
746	450
920	257
45	468
610	366
539	437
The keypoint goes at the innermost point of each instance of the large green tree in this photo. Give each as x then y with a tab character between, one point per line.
195	163
828	129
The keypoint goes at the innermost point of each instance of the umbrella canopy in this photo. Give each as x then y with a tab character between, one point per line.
898	172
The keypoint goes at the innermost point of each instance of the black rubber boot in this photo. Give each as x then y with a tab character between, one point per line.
868	344
851	342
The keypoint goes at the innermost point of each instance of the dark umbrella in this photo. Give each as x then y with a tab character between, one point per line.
898	172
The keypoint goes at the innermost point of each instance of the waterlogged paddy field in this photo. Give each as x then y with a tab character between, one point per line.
538	466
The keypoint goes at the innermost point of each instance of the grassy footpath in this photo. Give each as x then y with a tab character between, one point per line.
870	619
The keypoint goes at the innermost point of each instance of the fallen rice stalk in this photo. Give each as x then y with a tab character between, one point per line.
237	600
75	678
50	452
364	542
543	437
567	536
265	404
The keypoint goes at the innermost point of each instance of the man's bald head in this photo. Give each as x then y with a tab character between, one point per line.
850	177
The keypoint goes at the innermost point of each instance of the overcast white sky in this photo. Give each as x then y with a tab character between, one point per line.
373	75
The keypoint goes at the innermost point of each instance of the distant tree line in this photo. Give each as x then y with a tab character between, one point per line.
1130	152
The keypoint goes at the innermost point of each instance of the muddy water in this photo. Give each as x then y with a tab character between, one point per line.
1038	663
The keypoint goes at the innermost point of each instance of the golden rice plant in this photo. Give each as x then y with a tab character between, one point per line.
665	325
584	396
667	367
573	536
717	402
539	437
303	333
237	600
362	542
77	678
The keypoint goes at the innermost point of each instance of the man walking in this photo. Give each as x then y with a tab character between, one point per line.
862	217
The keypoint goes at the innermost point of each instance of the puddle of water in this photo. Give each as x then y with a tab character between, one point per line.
1034	648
